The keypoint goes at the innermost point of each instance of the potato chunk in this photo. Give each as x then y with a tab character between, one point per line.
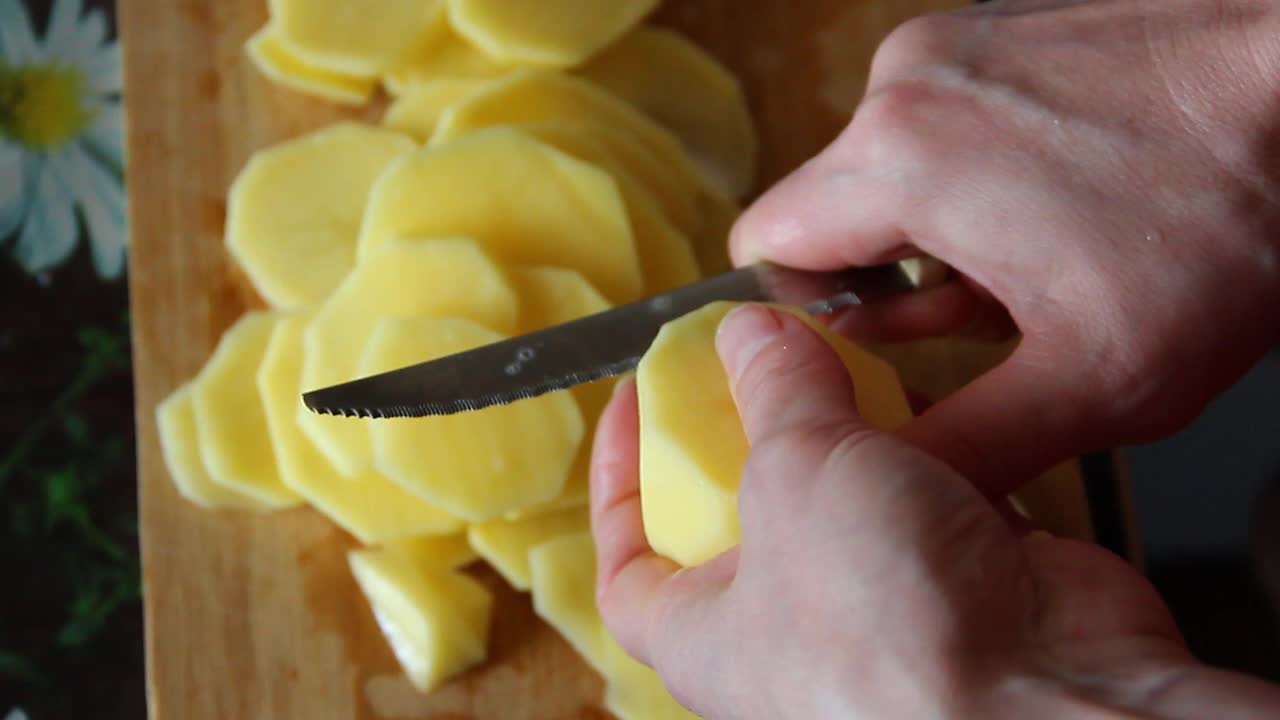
369	506
476	465
404	278
180	445
692	447
352	37
551	33
304	198
689	92
230	421
435	618
281	65
505	544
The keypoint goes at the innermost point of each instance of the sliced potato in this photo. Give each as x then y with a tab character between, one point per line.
477	465
633	691
294	211
689	92
353	37
369	506
180	445
403	278
525	202
645	148
552	33
231	423
505	544
711	242
443	56
437	551
284	67
692	446
416	110
435	619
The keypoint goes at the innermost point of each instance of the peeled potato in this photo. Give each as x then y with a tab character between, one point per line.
436	551
645	148
282	66
633	691
553	33
304	198
689	92
476	465
692	447
435	619
180	445
369	506
442	56
524	201
505	544
355	37
419	107
711	242
402	278
230	420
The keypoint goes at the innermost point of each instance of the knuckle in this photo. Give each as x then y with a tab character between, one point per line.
919	41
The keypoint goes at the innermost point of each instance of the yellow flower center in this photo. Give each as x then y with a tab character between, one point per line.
41	106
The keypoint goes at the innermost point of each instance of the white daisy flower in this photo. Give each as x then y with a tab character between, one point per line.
16	714
61	138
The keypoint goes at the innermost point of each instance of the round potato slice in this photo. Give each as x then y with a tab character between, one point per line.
352	37
442	56
551	33
404	278
180	445
418	109
293	213
525	202
282	66
477	465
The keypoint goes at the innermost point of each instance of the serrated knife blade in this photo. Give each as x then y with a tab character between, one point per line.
594	347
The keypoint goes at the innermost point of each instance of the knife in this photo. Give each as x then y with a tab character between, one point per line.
602	345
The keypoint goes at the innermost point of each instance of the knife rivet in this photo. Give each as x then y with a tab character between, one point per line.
525	355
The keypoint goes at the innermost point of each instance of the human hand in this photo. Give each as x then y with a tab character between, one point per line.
1105	171
873	581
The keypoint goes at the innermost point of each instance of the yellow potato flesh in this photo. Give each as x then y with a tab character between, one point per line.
477	465
369	506
689	92
230	420
645	148
552	33
180	446
436	551
563	573
525	202
404	278
418	109
304	198
352	37
505	544
282	66
692	447
435	619
711	242
444	55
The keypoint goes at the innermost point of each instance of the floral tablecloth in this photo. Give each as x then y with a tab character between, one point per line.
70	621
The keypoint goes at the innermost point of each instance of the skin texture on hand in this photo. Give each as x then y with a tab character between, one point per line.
873	581
1103	173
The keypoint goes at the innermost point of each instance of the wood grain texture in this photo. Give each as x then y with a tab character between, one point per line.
256	616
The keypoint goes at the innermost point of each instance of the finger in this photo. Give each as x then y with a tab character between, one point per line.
821	218
636	589
1007	426
784	377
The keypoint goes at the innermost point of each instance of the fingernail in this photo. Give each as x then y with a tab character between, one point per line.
743	333
623	383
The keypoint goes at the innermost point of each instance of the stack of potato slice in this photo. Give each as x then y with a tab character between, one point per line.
541	160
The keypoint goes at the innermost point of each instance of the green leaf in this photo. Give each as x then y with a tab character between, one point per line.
20	668
77	429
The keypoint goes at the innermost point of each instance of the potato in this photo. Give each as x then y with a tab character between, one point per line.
551	33
711	242
435	619
369	506
477	465
230	421
280	65
176	425
633	691
404	278
353	37
525	202
692	447
689	92
645	148
443	56
505	544
437	551
304	198
418	108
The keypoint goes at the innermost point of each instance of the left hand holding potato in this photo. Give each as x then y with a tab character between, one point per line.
874	581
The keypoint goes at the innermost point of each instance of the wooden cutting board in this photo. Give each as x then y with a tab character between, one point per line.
253	617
